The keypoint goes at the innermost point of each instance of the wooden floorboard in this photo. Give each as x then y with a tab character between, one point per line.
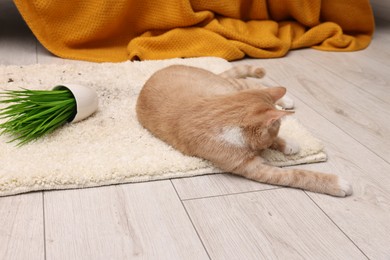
379	48
138	221
276	224
362	116
22	227
364	216
215	185
370	75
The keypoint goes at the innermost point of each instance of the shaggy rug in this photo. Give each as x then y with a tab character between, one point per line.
111	147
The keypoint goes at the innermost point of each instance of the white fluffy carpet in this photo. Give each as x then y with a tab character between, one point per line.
111	147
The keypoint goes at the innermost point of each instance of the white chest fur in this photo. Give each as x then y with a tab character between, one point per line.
232	135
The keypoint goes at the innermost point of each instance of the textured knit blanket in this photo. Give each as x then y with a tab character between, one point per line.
118	30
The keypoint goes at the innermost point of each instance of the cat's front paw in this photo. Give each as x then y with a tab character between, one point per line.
291	147
345	188
286	102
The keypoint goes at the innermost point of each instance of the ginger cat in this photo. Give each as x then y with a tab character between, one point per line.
227	120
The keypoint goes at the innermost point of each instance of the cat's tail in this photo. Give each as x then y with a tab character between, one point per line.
243	71
331	184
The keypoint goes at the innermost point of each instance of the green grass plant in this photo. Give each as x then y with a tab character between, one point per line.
31	114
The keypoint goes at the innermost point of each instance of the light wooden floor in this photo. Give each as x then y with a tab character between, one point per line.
342	98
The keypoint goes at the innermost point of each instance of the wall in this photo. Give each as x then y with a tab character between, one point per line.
381	9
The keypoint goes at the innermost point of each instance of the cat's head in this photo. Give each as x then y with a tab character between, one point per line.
262	117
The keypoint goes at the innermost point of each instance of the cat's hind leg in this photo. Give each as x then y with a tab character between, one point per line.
238	78
256	169
242	84
286	102
243	71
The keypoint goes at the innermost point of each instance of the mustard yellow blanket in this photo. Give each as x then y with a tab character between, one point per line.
118	30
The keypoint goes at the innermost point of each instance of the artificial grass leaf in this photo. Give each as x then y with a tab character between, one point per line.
34	113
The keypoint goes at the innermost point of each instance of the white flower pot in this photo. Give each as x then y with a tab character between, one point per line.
86	100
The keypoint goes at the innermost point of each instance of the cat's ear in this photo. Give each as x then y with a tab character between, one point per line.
276	93
273	115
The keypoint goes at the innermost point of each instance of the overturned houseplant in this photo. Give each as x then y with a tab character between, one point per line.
31	114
